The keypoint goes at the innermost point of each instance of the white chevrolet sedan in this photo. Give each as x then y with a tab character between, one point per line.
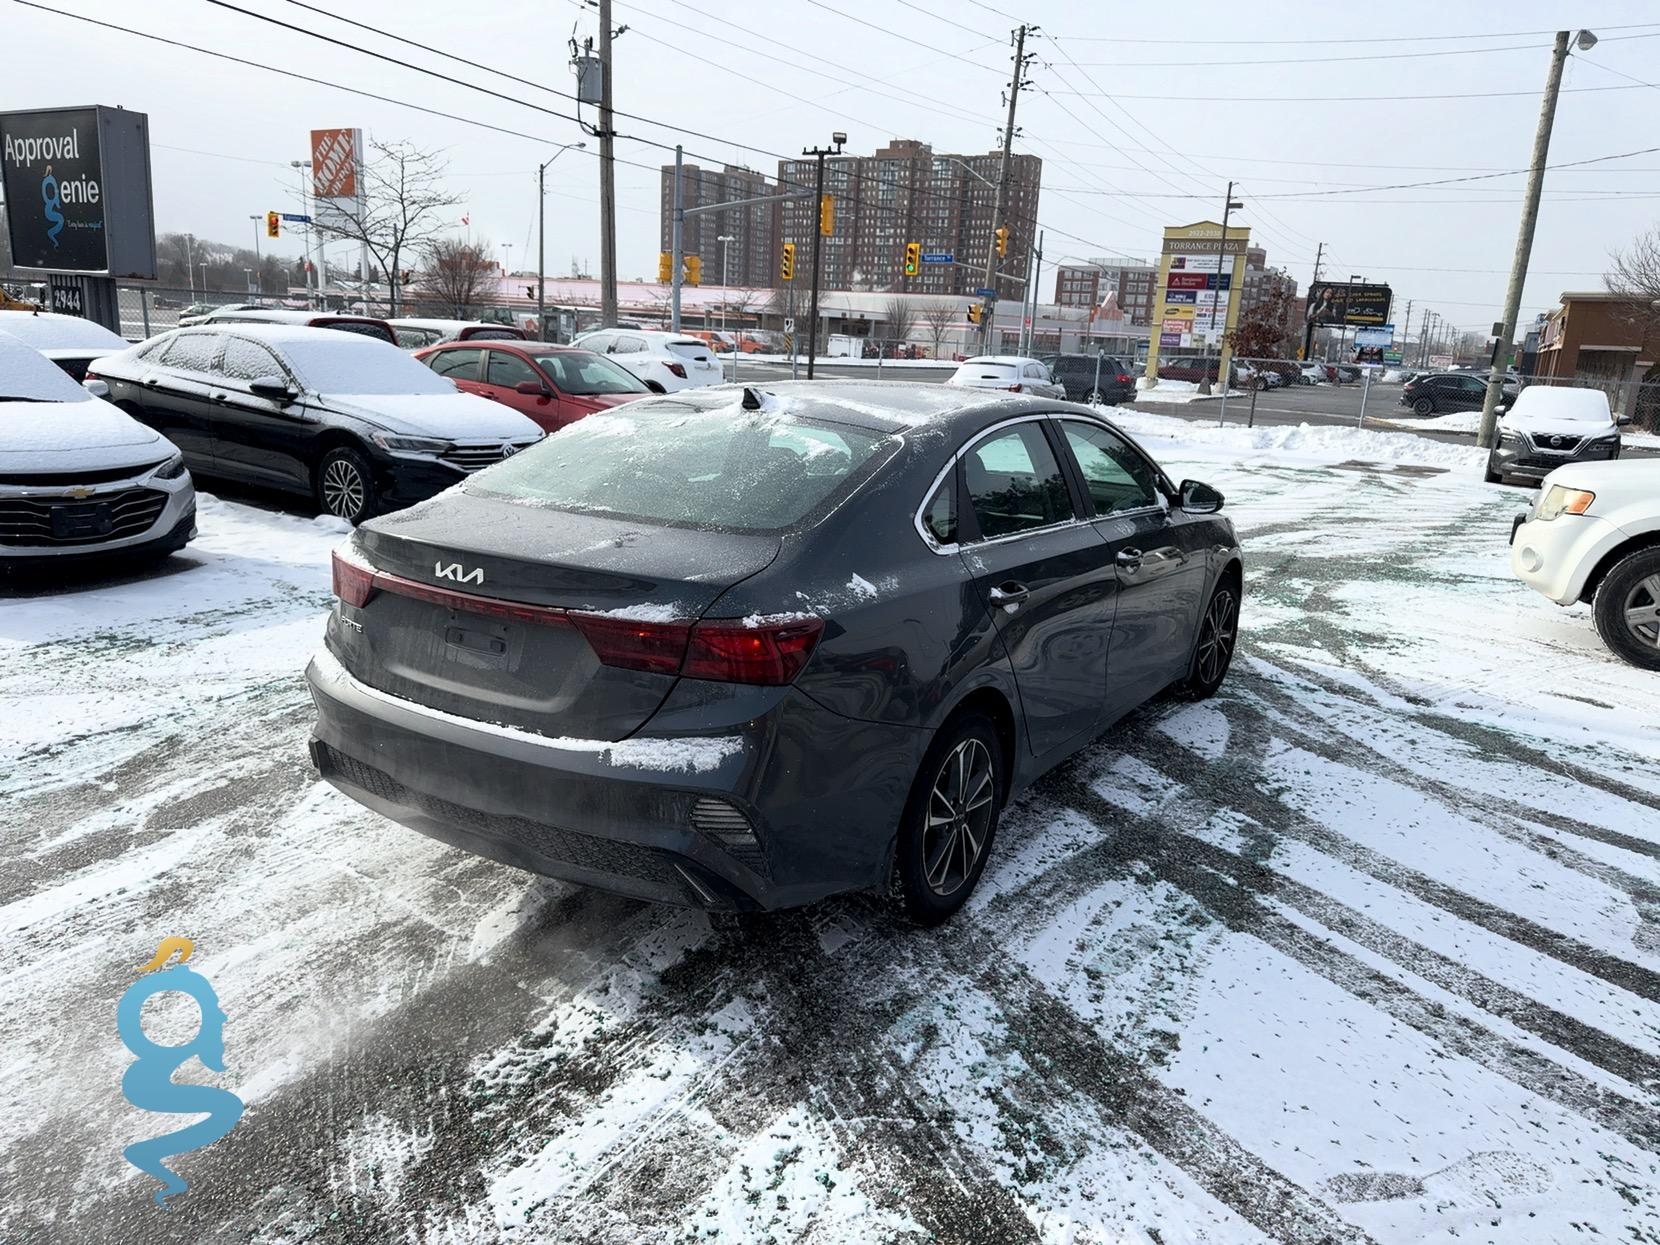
1594	535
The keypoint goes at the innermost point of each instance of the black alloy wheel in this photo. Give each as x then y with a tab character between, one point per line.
346	485
950	821
1218	636
1627	608
1424	406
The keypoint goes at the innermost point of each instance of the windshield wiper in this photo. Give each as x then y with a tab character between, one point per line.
6	397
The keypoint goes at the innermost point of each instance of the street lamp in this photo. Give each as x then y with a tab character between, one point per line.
839	139
725	241
190	263
541	237
305	247
259	260
1228	205
204	278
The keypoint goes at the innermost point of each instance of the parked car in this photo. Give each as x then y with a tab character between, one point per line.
1010	373
197	312
673	360
767	647
364	326
1345	374
1102	380
1311	373
1545	426
717	340
414	334
760	341
78	477
71	342
1195	369
553	385
1280	373
1593	535
353	423
1448	391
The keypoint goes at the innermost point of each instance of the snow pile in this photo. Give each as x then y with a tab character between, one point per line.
1178	391
1304	442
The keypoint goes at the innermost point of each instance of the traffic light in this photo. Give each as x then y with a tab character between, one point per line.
827	215
974	313
786	266
665	267
1002	240
273	225
913	258
693	274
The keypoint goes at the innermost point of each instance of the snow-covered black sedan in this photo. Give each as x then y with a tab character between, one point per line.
742	650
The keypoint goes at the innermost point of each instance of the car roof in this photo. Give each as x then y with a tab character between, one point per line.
409	323
278	315
885	406
47	330
275	332
1002	358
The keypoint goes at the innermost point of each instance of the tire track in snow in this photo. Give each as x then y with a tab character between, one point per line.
1170	855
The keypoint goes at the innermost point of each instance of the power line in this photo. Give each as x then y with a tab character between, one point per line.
1506	34
1343	99
1331	60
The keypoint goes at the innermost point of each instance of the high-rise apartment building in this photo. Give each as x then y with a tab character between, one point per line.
905	192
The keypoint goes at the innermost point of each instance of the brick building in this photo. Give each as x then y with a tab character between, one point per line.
1088	285
1608	340
752	258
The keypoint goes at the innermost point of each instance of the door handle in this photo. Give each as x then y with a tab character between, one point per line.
491	396
221	397
1009	593
1129	559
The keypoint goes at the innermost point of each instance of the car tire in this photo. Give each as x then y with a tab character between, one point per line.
1490	476
345	485
1096	397
1213	647
960	780
1632	583
1424	406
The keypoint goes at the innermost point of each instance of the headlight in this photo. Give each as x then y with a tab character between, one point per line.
1509	437
1558	500
172	469
411	445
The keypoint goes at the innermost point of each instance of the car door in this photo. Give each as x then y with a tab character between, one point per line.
1043	575
462	364
504	371
1157	554
257	438
174	399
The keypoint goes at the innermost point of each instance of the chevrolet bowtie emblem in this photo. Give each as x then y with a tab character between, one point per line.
80	492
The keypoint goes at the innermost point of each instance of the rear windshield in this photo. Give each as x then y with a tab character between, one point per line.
673	462
690	348
361	327
987	371
583	372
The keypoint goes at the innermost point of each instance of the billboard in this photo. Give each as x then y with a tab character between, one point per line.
77	189
1339	303
336	176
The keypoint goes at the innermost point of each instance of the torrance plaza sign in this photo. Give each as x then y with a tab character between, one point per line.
1200	280
77	187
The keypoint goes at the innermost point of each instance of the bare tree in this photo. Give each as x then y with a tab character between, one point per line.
402	208
899	314
937	318
454	275
1635	275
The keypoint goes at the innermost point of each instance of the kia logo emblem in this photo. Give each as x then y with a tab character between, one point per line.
455	571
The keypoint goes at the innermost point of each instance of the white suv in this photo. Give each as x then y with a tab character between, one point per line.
1594	535
673	360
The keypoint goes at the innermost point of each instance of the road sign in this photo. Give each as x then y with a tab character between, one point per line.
938	257
789	324
983	292
299	218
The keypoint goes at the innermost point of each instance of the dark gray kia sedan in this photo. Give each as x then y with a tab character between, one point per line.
743	650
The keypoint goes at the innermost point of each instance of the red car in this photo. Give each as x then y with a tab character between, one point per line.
553	385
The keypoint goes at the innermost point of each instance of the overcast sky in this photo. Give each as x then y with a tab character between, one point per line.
783	74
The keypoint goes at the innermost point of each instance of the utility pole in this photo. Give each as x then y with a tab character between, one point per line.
818	240
259	261
608	181
990	313
1406	333
1228	205
1524	235
674	247
1308	318
1034	274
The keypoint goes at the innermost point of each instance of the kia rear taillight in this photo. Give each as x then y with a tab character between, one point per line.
677	369
628	645
354	581
771	654
91	375
1123	380
1014	388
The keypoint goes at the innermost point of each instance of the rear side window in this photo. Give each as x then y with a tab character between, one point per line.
673	462
1116	477
507	369
628	345
361	329
414	339
456	364
939	517
1015	483
246	360
192	352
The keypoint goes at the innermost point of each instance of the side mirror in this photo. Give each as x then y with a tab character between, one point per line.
1623	421
1500	408
273	387
1199	498
99	389
531	389
656	386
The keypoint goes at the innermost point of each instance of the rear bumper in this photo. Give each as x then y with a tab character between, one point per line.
821	795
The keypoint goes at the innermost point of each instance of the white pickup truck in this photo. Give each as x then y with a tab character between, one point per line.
1593	535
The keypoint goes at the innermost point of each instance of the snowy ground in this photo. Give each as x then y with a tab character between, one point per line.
1470	422
1365	949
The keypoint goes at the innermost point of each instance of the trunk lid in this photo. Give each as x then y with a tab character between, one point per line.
440	639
